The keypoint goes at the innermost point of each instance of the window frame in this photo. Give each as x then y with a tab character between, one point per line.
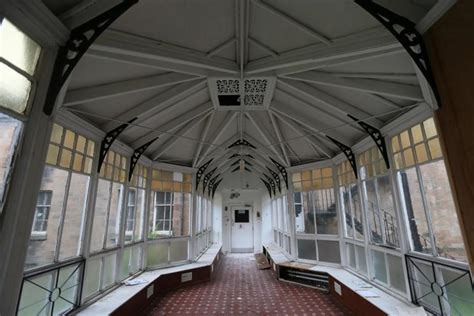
35	234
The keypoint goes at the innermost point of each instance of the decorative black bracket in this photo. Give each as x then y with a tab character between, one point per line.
377	137
271	182
406	33
207	178
277	178
80	39
268	186
211	183
282	170
242	142
109	139
136	156
215	187
348	152
200	172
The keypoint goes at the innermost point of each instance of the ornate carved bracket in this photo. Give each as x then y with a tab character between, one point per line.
80	39
348	152
277	178
200	172
109	139
377	137
406	33
242	142
282	170
267	185
207	178
215	187
211	183
271	182
136	156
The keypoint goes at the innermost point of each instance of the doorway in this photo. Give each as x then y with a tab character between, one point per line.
242	229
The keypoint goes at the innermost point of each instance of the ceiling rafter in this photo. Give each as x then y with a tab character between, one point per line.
133	45
120	88
335	114
318	36
279	135
385	88
323	128
366	44
272	144
332	102
202	138
300	130
176	122
159	102
173	139
263	47
230	116
376	75
221	47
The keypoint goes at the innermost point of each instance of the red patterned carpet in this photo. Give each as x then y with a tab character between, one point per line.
239	288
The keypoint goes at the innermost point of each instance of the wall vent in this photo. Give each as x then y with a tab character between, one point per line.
236	94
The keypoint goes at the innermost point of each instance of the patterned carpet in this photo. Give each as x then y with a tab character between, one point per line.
239	288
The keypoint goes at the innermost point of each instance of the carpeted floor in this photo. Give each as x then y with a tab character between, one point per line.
239	288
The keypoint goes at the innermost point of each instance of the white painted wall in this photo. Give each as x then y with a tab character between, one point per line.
267	232
217	218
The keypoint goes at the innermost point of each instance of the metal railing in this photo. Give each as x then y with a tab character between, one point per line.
441	288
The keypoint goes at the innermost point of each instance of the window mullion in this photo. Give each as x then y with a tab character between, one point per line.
104	240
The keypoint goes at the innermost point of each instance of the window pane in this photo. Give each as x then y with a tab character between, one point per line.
387	211
373	212
378	261
358	216
326	213
415	212
361	260
108	276
448	237
113	226
157	254
18	48
92	277
10	129
397	275
306	249
351	255
14	89
178	250
74	215
34	297
346	204
100	215
328	251
42	245
305	220
459	292
139	215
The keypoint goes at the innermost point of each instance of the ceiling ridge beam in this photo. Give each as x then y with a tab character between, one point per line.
324	130
298	129
293	21
128	44
218	133
176	122
329	100
221	47
173	139
376	75
263	47
390	89
158	102
203	138
267	138
334	114
368	44
279	135
118	88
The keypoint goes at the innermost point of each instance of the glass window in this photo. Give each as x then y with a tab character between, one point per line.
57	229
109	203
426	193
378	199
306	249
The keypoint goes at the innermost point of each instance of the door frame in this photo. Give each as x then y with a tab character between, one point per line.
232	209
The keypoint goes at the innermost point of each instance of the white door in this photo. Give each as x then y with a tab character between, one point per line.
242	229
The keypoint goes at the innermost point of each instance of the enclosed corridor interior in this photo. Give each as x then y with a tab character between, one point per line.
150	148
